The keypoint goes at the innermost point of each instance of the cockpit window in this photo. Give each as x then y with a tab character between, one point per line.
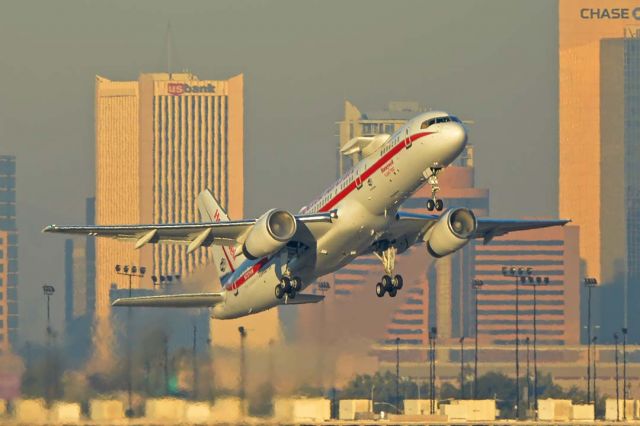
435	120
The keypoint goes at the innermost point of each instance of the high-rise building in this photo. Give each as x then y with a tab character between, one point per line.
357	123
9	248
160	141
551	252
599	184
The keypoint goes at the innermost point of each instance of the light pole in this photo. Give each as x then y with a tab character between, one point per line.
589	283
624	372
528	376
397	375
433	333
477	285
615	339
537	282
243	336
48	291
130	271
594	343
462	367
519	275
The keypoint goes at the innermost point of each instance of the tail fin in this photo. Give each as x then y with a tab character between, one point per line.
226	258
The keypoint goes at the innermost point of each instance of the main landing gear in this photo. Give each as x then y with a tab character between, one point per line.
289	286
434	203
388	284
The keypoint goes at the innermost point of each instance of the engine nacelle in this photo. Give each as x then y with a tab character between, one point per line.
453	231
271	232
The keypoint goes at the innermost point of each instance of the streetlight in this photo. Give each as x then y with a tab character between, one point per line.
433	333
462	367
589	283
48	291
129	271
538	281
594	343
520	275
243	336
397	372
624	372
164	280
528	376
615	339
476	285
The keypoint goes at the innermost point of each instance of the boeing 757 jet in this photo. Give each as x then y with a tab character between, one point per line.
268	261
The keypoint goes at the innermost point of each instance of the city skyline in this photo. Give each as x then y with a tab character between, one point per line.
295	89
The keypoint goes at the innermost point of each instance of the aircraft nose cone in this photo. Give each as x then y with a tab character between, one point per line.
456	136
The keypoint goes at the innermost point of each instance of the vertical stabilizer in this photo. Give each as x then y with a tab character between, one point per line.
226	258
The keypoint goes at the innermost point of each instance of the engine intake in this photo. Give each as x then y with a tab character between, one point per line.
271	232
452	231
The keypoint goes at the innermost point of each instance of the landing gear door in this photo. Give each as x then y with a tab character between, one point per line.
407	139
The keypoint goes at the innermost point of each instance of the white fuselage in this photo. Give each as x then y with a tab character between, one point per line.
365	199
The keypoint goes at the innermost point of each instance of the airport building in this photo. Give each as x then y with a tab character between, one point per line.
599	61
8	254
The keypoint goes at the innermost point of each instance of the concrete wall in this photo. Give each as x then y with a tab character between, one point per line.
172	409
106	410
555	409
415	407
228	410
583	412
611	413
197	412
30	410
350	407
65	412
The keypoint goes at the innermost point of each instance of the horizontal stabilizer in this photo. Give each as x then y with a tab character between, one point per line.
193	300
301	299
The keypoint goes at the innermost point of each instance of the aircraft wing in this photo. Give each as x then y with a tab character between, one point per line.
192	300
193	234
413	226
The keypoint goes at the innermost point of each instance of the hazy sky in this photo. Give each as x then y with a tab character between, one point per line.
494	62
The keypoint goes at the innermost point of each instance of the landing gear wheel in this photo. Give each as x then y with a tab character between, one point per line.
431	205
439	204
387	282
279	291
292	294
397	282
296	283
380	290
393	291
286	284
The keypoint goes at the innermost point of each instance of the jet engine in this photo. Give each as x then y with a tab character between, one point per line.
269	234
451	232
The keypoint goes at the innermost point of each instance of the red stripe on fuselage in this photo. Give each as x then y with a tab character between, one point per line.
248	274
371	170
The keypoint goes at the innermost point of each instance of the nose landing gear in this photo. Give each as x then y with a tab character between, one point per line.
288	286
388	284
434	203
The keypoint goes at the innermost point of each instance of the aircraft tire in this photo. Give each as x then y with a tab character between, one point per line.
387	282
279	291
398	282
286	284
431	205
393	292
380	290
292	293
439	205
296	283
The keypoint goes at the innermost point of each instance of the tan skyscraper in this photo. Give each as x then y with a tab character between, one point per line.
591	189
161	140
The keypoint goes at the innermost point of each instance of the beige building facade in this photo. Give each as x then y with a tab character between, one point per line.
161	140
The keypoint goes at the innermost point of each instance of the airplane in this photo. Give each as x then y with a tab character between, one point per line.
267	261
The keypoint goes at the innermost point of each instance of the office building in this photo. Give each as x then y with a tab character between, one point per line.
9	257
599	184
160	141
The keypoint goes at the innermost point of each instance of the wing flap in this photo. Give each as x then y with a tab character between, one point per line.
192	300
